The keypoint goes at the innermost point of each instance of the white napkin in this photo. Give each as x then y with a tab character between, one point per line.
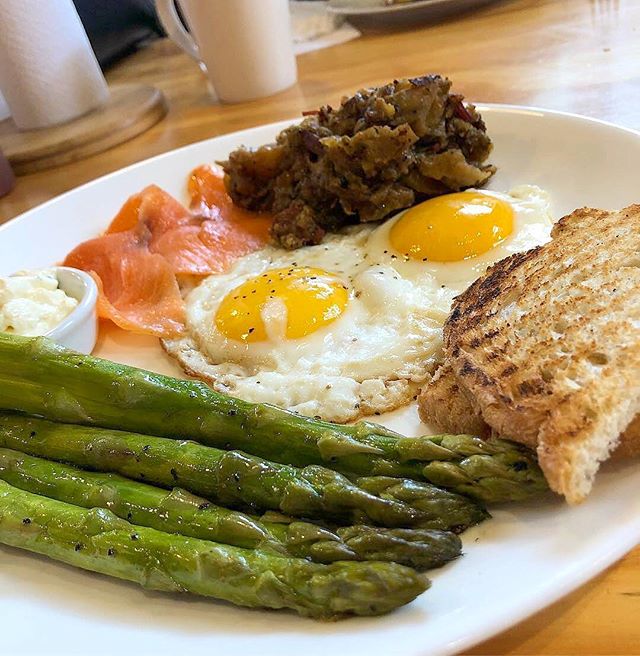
48	72
342	34
314	27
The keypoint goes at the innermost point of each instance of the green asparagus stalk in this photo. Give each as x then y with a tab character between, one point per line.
232	478
98	541
181	512
39	377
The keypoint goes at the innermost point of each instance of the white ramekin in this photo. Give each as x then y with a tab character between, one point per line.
79	329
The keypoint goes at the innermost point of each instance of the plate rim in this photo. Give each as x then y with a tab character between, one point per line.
387	9
570	583
381	9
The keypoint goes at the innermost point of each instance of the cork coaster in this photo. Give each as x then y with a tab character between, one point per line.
131	110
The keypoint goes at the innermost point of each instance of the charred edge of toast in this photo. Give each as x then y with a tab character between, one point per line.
472	306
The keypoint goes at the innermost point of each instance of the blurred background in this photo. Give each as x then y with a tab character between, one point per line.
116	34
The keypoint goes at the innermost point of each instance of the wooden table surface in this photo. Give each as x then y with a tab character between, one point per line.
575	55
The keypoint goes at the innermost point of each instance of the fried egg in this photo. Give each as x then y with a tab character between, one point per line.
455	237
352	326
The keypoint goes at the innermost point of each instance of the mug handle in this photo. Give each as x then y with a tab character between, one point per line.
173	25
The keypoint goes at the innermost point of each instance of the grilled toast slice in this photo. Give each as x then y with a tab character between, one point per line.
449	409
547	344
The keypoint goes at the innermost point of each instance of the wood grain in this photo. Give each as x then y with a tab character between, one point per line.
130	110
573	55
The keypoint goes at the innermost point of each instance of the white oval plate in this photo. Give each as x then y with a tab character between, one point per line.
375	14
524	559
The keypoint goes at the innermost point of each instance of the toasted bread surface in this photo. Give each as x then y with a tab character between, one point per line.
447	408
547	344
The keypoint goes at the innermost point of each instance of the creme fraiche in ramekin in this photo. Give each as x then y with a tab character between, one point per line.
57	302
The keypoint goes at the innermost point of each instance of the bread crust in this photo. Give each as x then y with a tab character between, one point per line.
445	406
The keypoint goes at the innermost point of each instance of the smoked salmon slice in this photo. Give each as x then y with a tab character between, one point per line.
154	208
202	241
154	238
231	231
138	289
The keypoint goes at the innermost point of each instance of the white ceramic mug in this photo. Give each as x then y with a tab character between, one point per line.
245	45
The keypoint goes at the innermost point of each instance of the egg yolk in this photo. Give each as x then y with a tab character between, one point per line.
313	298
452	227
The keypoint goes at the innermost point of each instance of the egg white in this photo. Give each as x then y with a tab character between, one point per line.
376	355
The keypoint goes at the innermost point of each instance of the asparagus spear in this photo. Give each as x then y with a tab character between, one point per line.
232	478
39	377
180	512
99	541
